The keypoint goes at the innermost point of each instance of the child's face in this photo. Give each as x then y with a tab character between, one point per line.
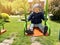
36	10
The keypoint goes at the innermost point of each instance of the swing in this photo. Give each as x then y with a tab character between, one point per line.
2	30
36	30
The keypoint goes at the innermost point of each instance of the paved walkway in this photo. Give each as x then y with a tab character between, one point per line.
8	41
34	42
11	39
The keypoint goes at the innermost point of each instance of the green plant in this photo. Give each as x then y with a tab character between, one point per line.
5	16
55	9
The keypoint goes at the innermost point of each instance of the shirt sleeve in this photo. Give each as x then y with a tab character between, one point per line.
30	17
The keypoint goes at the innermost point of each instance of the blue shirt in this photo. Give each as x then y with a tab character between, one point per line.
36	18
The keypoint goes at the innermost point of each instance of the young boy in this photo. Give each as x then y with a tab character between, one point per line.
36	17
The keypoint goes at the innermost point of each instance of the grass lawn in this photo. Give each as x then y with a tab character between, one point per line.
53	38
17	27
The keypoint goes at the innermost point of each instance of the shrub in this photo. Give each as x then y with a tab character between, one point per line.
55	9
4	16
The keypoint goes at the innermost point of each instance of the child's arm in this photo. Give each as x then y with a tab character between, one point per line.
30	17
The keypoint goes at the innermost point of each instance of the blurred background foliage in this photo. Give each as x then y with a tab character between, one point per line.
54	8
13	6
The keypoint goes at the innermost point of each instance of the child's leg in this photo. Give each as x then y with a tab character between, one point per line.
31	27
41	27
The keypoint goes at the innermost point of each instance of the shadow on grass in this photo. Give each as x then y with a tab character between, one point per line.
57	21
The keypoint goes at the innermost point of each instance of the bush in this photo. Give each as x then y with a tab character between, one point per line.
4	16
55	9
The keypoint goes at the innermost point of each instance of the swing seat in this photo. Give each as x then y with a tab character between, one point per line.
37	32
2	31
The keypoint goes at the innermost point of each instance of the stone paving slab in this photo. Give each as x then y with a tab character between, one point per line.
34	42
4	44
8	41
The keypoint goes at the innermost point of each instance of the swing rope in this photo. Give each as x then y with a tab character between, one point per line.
25	26
46	12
